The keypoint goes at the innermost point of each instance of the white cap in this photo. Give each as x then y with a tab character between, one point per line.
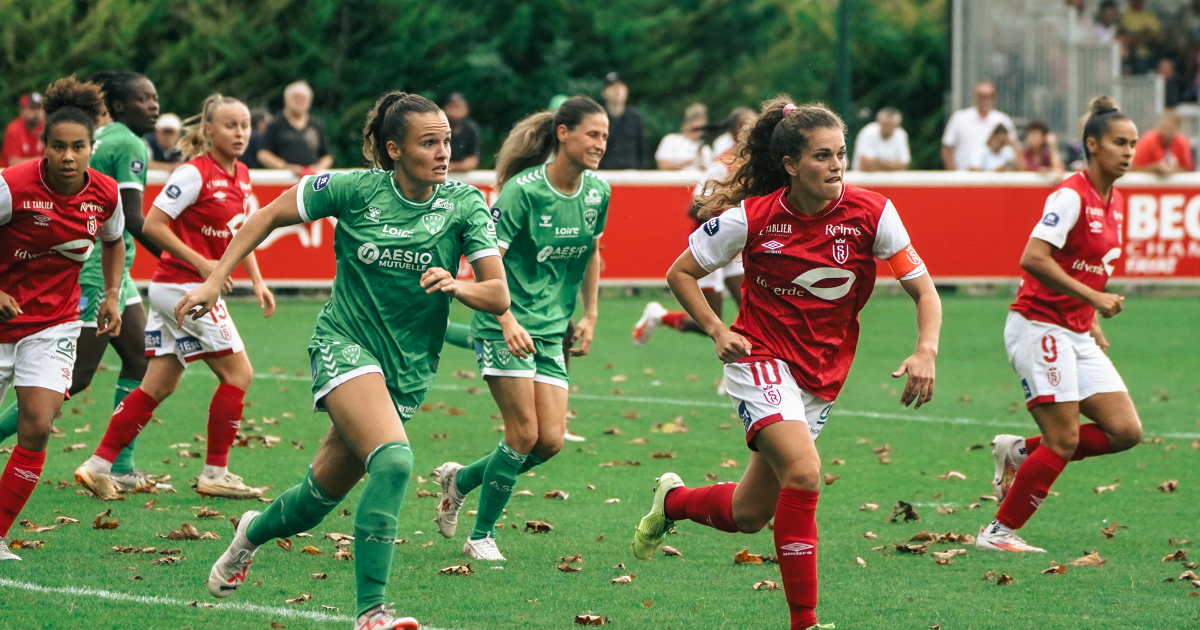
168	121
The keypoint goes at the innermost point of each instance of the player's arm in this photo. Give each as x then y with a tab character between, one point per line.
1037	260
131	201
266	299
9	308
590	292
488	294
921	366
158	228
519	343
112	265
684	280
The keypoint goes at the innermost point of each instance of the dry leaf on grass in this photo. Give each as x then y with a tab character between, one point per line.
25	544
538	527
745	557
950	553
439	436
205	512
422	493
829	479
74	447
766	585
169	560
860	561
564	564
953	474
311	550
590	620
284	544
729	463
1179	555
870	535
945	509
903	511
613	431
639	441
619	378
522	493
631	415
663	455
974	506
100	523
1055	569
458	569
1111	530
1004	580
209	536
910	548
1093	559
1170	485
556	494
66	520
1103	489
668	550
837	462
624	579
343	554
987	497
611	501
868	506
303	598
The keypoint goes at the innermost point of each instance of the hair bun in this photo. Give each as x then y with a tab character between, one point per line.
1103	105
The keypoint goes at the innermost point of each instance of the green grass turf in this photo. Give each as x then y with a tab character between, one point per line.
1154	347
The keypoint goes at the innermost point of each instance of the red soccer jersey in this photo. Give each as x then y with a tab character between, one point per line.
21	142
44	239
807	277
207	204
1086	235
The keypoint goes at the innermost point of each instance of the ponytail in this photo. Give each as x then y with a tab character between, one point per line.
68	100
194	140
388	122
535	138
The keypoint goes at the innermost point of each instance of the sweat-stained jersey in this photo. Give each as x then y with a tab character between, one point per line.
1086	235
807	277
207	205
44	240
123	156
549	238
383	243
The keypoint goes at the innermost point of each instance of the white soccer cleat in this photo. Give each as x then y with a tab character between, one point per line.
133	481
483	549
6	554
380	618
99	482
229	572
653	528
651	319
1009	452
572	437
446	512
229	486
996	537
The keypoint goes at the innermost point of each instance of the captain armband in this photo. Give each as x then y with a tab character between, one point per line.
907	264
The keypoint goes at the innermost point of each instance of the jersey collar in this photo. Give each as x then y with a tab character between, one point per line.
1088	179
561	194
405	200
792	210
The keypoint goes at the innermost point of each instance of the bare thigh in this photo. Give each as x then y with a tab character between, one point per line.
131	343
1114	412
36	409
517	400
89	349
364	418
551	401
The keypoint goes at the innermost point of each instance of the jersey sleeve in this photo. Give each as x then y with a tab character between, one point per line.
113	229
181	190
602	217
717	242
128	161
6	204
479	232
893	245
325	195
510	212
1058	217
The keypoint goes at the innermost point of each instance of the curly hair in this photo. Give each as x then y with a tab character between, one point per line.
69	100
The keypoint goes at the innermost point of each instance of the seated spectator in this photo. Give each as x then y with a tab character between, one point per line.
465	145
883	144
685	150
733	123
999	154
1106	28
23	137
968	129
1041	149
260	118
1174	90
163	154
626	130
1143	33
296	141
1163	150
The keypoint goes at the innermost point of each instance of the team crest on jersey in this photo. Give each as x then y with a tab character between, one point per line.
93	225
495	212
589	217
352	353
503	356
841	250
772	395
772	247
1053	376
433	222
593	197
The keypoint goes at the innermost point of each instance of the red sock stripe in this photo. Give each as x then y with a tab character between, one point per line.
707	505
17	483
674	319
796	548
1030	487
224	420
128	420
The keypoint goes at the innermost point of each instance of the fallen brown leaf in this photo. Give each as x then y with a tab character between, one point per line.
668	550
343	554
1004	580
100	523
766	585
1170	485
458	569
209	536
1055	569
1093	559
311	550
639	441
205	512
909	548
522	493
538	527
860	561
303	598
870	535
945	509
829	479
614	431
868	506
1179	555
729	463
624	579
903	511
25	544
66	520
564	564
1103	489
1111	530
169	560
663	455
953	474
74	447
590	620
284	544
556	494
745	557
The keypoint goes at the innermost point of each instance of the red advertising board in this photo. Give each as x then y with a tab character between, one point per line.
969	227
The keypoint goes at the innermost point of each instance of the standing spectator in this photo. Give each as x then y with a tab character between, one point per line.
1143	33
1041	149
1106	28
1163	150
464	134
968	130
163	154
626	131
260	118
23	138
883	144
737	119
684	150
999	154
296	141
1174	90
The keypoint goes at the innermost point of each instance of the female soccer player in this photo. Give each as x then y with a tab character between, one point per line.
51	213
401	227
548	220
201	206
809	244
1053	335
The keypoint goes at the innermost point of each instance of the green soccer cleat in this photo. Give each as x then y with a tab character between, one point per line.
648	536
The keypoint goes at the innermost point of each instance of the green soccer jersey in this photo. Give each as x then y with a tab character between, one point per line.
383	243
549	238
120	154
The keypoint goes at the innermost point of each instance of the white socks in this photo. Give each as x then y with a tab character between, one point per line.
214	472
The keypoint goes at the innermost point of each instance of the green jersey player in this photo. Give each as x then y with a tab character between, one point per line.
374	352
548	218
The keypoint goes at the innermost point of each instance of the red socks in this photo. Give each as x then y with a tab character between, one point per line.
674	319
796	547
127	422
707	505
224	420
17	483
1034	478
1092	442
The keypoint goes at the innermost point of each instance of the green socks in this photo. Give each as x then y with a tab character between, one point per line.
124	463
499	477
533	461
299	509
8	421
471	476
378	520
459	335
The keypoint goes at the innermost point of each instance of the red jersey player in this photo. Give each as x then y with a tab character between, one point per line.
51	213
1053	335
809	244
203	203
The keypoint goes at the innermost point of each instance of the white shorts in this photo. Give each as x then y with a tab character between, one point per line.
764	393
715	281
1056	364
44	359
209	337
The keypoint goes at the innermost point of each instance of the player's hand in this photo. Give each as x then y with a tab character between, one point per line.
266	299
437	279
108	318
731	346
920	370
197	302
1097	333
583	336
8	307
207	268
520	344
1108	304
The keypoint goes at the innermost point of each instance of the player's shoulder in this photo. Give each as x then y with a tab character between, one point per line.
103	187
1074	187
459	196
532	177
23	174
866	200
595	182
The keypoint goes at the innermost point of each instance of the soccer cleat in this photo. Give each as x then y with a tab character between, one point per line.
229	571
651	319
98	482
648	536
996	538
822	626
133	481
380	618
483	549
229	486
573	437
1008	458
6	554
446	512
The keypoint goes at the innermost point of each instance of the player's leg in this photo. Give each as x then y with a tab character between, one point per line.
224	419
37	408
655	314
130	346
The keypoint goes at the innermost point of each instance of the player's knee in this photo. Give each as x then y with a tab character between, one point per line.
1063	443
1125	438
802	476
751	520
545	449
239	377
522	438
157	390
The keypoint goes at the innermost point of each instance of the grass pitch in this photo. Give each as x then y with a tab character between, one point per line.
76	581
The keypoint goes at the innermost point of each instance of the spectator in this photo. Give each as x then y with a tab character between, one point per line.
737	119
968	130
464	135
883	144
684	150
1143	33
999	154
1163	150
23	137
626	131
260	119
1106	28
1174	90
163	154
296	141
1041	149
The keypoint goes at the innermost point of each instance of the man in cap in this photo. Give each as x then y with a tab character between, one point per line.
23	138
163	154
626	131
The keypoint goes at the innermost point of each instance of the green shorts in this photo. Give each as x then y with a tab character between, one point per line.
90	297
547	365
335	362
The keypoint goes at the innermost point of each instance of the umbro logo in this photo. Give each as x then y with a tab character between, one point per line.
796	548
773	246
27	475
